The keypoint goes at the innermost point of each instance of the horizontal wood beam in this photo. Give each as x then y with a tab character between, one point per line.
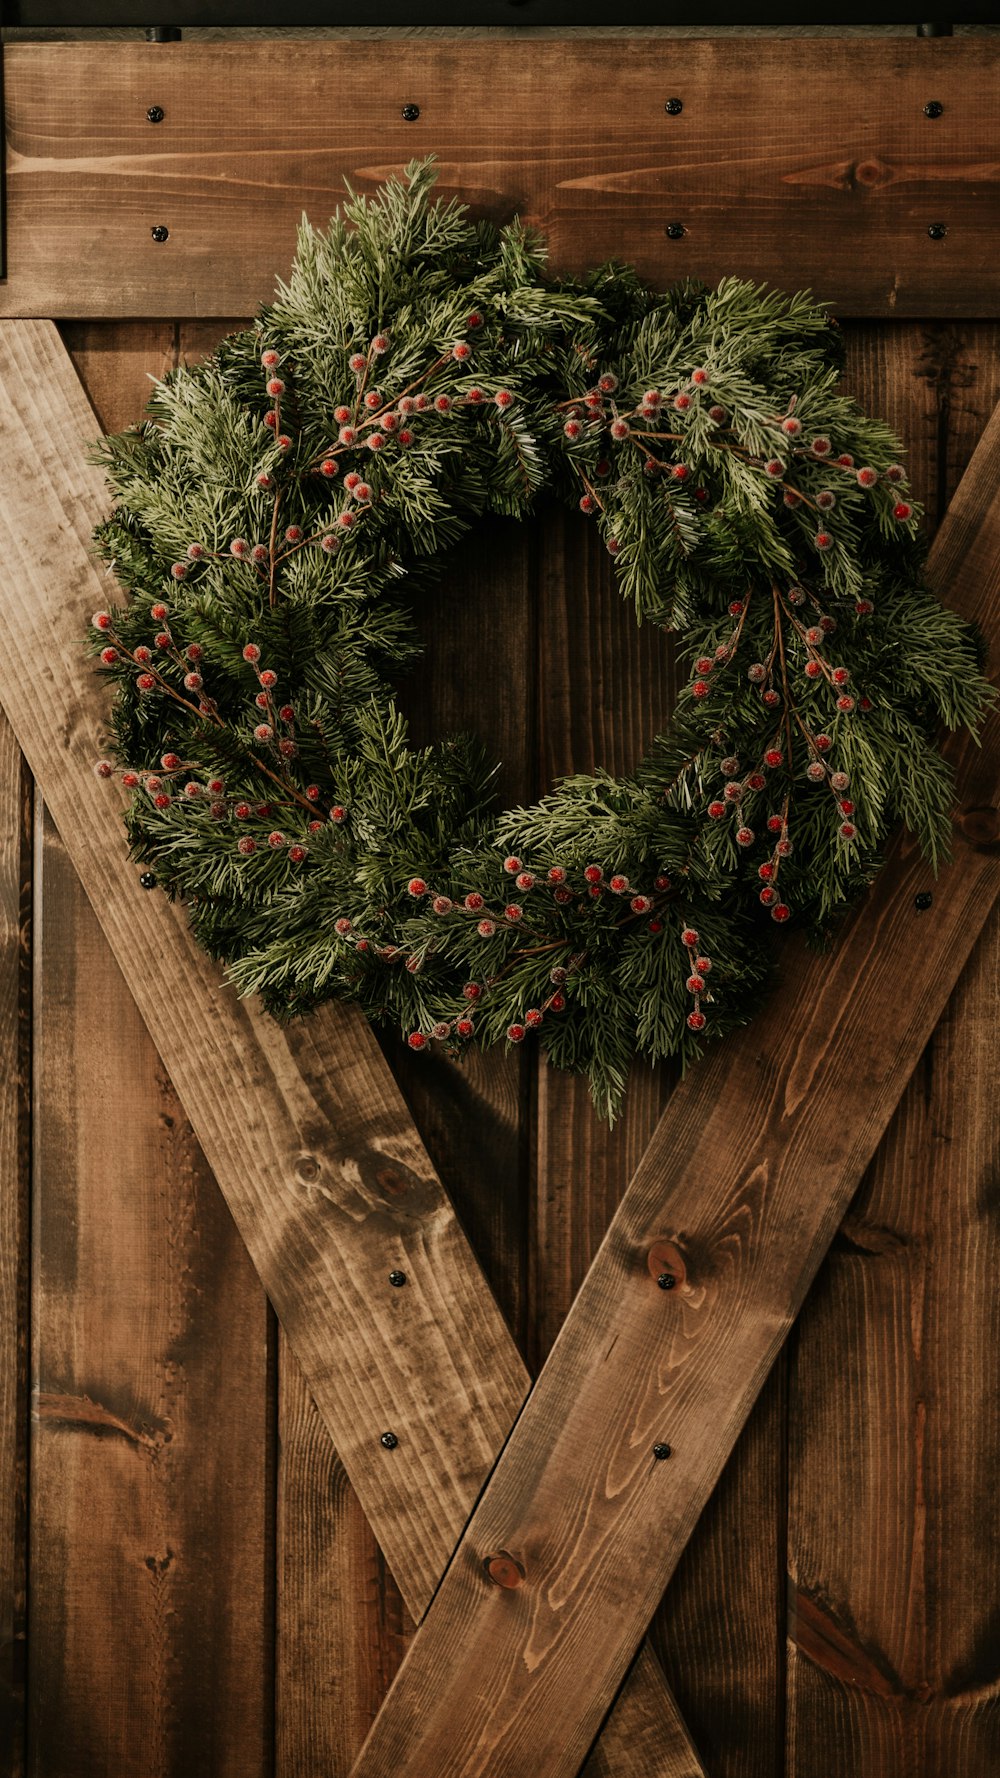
805	163
303	1126
750	1171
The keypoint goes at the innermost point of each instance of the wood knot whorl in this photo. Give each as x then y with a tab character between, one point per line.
664	1260
503	1570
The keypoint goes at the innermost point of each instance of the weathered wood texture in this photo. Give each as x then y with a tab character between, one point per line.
754	1161
151	1506
325	1176
892	1627
823	144
15	1080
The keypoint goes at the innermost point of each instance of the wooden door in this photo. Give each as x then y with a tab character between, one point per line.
203	1591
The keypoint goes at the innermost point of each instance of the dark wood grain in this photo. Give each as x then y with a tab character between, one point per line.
320	1164
894	1426
150	1592
753	1164
15	1112
816	148
896	1433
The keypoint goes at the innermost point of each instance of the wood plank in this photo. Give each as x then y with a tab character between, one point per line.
15	1115
895	1430
896	1435
820	148
752	1167
322	1168
149	1584
151	1568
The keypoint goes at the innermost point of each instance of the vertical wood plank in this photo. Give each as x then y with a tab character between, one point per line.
605	689
151	1529
894	1426
150	1599
15	1064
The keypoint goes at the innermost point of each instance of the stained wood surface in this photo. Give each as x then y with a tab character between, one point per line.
894	1428
15	961
819	149
322	1169
753	1164
151	1506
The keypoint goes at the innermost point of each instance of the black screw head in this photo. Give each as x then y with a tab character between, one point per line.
666	1280
675	231
147	880
661	1452
674	107
410	113
933	108
937	231
160	232
389	1440
154	114
923	901
397	1280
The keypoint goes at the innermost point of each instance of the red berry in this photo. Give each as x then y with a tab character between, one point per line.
744	836
774	824
821	447
696	1020
442	904
464	1027
503	398
562	895
620	885
474	320
512	865
823	540
513	913
283	442
572	429
193	681
847	830
557	874
474	396
662	882
486	928
101	620
472	991
768	897
695	984
640	904
146	681
813	669
716	810
416	887
524	880
689	936
417	1040
756	781
246	845
680	472
251	652
109	656
867	477
142	655
380	343
338	814
296	854
845	704
515	1033
781	912
162	800
700	688
774	467
902	510
588	503
474	902
269	359
593	873
765	872
703	965
699	377
773	757
130	780
533	1017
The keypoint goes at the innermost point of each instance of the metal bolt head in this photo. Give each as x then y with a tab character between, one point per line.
923	901
674	107
675	231
154	114
397	1280
666	1280
160	232
389	1440
660	1452
937	231
410	113
933	108
147	880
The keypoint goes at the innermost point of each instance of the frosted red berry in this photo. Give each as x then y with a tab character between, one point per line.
417	1040
689	937
696	1020
593	873
515	1033
246	845
716	810
902	510
781	913
416	887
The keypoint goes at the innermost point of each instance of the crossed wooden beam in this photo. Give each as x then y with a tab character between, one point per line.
531	1610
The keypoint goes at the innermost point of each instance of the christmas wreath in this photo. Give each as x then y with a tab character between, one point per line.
284	505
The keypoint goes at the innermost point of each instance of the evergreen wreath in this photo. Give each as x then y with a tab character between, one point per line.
285	504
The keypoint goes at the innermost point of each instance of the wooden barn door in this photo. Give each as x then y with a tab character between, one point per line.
190	1582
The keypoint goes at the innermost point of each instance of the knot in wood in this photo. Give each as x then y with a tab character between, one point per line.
503	1570
665	1260
307	1169
981	827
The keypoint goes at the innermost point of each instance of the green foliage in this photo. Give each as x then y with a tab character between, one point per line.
272	543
